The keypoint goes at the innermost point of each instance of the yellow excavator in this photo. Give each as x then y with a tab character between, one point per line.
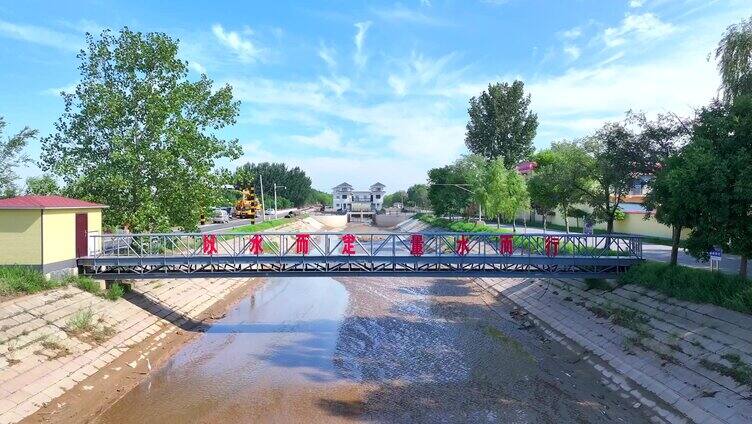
247	206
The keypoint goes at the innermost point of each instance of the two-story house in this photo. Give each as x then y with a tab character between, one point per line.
346	199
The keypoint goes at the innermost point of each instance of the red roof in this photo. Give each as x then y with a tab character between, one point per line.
526	166
46	202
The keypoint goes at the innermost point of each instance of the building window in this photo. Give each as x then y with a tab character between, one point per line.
344	196
378	196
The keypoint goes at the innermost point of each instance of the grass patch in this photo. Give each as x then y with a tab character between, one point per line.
115	292
261	226
24	280
624	317
597	284
55	348
84	283
81	322
739	371
102	334
694	285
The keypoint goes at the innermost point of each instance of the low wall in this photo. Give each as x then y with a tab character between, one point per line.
334	221
391	220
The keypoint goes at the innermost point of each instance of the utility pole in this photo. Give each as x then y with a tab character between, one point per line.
275	198
263	208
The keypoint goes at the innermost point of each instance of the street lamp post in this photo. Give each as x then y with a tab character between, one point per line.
275	198
263	208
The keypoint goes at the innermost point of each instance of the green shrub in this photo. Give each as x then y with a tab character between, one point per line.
694	285
115	291
84	283
597	284
23	279
82	321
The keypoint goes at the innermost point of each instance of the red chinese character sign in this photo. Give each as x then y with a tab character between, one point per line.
416	244
552	246
348	244
506	244
257	244
462	247
210	244
302	243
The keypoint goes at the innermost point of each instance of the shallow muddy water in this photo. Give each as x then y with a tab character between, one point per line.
371	350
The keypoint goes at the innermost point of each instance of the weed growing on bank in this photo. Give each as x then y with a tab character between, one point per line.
693	285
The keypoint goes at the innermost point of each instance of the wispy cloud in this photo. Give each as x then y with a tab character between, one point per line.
327	54
401	13
55	91
243	47
636	3
197	67
641	27
572	51
360	57
41	35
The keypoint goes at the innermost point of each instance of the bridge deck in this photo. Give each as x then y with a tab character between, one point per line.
424	254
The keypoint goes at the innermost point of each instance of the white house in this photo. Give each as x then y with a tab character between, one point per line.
345	199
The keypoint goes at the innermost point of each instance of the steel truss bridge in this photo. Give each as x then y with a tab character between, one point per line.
176	255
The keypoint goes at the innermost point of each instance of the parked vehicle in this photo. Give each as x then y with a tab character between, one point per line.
270	212
220	216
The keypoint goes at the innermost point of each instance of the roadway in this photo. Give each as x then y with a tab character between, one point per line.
657	252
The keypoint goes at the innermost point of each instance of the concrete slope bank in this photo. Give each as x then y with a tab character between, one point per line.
52	341
693	358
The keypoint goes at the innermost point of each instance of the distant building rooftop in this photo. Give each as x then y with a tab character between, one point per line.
46	202
526	167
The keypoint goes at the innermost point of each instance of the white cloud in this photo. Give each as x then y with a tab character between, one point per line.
70	88
327	55
338	85
244	48
426	3
398	85
329	139
572	51
197	67
401	13
636	3
42	36
572	33
642	27
360	58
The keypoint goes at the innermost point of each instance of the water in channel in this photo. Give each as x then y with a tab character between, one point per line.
277	340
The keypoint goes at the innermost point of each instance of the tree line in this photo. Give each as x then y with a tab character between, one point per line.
698	168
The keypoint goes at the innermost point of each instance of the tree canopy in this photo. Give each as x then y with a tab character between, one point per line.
417	196
501	124
12	156
734	56
445	191
292	183
44	185
138	136
722	144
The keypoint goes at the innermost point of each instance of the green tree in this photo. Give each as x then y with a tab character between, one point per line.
723	140
292	183
445	192
474	171
138	136
679	192
501	124
44	185
734	57
544	197
504	192
12	156
417	196
398	196
317	197
604	167
244	177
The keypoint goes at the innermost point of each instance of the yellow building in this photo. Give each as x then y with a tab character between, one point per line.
47	232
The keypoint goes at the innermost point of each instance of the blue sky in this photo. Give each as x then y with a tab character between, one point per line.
363	91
